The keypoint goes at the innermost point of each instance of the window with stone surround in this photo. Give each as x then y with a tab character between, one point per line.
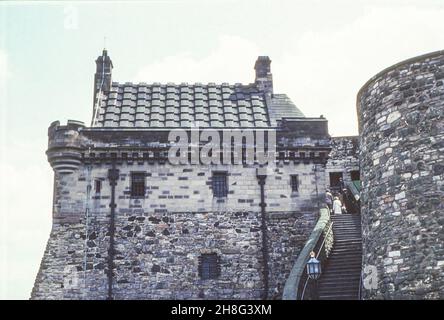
209	266
137	184
97	186
219	184
294	182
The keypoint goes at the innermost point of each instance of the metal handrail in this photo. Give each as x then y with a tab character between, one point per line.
330	229
294	282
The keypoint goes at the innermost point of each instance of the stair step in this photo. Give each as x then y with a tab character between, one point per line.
349	256
332	267
347	235
338	287
356	269
343	278
347	248
339	243
340	276
346	245
338	223
348	292
340	261
349	289
351	266
346	251
340	282
337	262
341	273
339	297
326	287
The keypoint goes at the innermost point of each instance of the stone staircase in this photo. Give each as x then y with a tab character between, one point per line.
341	275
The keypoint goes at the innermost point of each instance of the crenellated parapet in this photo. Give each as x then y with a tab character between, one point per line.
65	146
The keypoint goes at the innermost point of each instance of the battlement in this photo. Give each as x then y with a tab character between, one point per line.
65	146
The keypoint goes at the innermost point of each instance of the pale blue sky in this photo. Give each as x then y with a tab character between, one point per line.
322	53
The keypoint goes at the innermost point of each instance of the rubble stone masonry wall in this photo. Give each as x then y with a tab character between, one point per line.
159	237
343	158
401	119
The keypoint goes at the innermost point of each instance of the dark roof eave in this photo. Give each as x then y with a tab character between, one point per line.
133	129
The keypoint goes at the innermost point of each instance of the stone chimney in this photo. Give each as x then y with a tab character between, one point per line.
102	78
264	79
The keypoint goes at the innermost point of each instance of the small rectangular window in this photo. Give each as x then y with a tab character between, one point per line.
97	186
220	188
138	184
209	266
294	182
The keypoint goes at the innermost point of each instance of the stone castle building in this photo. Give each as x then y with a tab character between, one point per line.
128	224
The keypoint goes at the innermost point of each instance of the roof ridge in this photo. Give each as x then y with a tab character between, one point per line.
175	84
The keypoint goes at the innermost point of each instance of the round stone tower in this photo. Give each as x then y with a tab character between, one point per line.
401	125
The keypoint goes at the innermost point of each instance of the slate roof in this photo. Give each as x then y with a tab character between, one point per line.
171	105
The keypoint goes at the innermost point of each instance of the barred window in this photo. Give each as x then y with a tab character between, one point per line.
294	182
138	184
220	188
209	266
97	186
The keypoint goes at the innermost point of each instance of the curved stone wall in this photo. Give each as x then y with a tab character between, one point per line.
401	123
